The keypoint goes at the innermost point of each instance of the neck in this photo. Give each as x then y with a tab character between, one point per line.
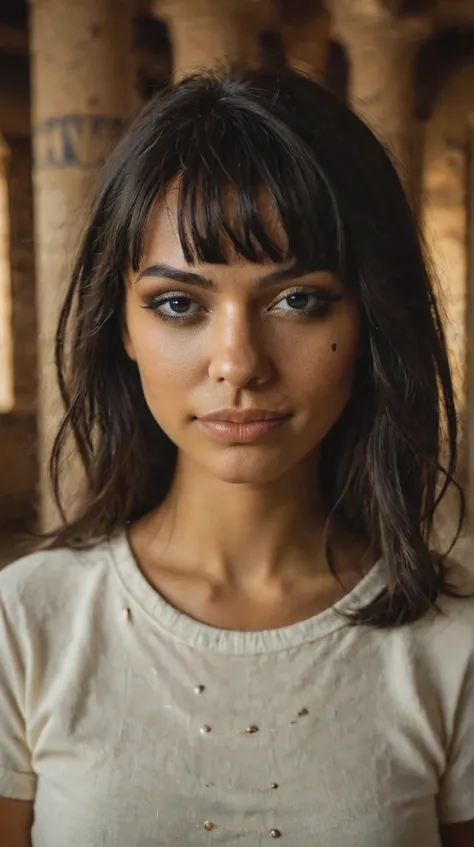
240	533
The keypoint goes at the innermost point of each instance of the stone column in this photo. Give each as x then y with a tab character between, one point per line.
81	93
381	50
306	34
206	33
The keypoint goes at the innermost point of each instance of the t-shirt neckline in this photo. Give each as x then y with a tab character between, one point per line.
203	636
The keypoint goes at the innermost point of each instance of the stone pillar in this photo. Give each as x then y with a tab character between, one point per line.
381	50
306	34
206	33
81	93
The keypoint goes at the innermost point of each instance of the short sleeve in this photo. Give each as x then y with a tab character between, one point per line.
17	780
456	797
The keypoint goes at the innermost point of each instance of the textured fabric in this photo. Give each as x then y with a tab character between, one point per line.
368	735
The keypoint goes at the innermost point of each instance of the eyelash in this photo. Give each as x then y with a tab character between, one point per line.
324	306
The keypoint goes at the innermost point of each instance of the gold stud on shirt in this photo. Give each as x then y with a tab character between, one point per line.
209	826
198	689
274	786
251	729
205	729
275	833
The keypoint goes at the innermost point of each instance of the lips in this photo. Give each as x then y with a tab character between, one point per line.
240	426
243	416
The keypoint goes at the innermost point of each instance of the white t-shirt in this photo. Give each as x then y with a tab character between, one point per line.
133	725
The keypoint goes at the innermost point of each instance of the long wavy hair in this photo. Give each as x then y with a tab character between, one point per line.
390	459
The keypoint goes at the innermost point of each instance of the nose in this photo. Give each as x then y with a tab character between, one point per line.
237	350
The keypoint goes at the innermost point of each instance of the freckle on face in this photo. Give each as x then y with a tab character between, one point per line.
333	347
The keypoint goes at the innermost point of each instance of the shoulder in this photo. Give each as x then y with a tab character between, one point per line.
443	639
44	586
455	608
436	651
45	567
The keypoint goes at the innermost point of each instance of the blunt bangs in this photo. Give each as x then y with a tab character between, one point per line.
225	150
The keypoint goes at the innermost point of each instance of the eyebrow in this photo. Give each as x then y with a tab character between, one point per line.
162	271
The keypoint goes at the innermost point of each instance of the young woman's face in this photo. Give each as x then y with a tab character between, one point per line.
242	337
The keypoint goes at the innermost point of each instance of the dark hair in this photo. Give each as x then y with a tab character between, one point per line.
340	200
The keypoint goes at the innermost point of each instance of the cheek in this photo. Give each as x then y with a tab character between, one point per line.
319	377
322	364
167	366
332	384
335	373
161	357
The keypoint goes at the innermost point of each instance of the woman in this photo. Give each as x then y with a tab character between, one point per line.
244	633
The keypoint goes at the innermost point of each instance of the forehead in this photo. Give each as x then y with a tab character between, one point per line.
162	235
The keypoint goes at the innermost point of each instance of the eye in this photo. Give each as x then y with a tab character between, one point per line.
307	303
174	307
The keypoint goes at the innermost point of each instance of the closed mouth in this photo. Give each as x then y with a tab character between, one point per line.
233	416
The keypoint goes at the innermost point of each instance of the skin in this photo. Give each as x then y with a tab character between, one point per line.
16	819
238	542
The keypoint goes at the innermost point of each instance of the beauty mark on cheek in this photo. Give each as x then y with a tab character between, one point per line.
333	347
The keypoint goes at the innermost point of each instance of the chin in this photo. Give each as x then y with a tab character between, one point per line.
248	468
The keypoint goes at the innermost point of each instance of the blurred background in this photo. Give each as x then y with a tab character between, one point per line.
74	72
